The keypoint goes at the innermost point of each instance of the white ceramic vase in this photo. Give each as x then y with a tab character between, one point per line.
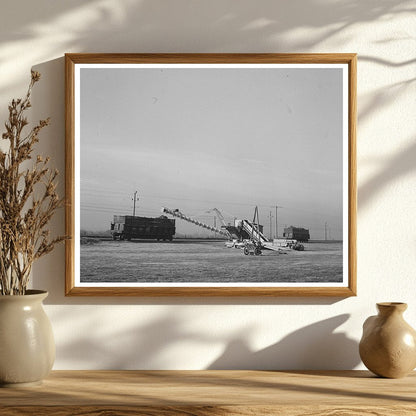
27	347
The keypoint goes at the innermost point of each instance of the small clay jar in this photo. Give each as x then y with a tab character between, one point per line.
388	344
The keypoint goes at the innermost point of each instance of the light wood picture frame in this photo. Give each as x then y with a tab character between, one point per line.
244	154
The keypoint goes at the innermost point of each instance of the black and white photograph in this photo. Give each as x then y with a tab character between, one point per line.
211	175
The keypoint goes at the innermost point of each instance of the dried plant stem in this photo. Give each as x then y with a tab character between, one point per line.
24	216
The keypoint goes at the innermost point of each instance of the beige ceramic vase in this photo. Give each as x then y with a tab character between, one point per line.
388	344
27	347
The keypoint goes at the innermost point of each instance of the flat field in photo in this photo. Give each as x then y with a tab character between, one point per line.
207	261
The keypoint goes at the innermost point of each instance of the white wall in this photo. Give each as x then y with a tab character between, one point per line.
199	333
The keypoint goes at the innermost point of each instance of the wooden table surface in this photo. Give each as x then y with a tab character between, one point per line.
254	393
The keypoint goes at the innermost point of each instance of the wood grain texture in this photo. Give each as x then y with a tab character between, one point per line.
203	393
352	175
210	411
69	174
325	58
209	291
274	58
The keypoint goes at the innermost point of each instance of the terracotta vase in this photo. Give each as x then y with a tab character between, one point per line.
27	347
388	345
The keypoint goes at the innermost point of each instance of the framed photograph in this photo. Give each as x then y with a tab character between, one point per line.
211	174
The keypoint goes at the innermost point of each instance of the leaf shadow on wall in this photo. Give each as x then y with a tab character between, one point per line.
143	346
402	163
313	347
150	26
397	166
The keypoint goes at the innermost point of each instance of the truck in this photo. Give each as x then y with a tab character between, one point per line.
128	227
297	233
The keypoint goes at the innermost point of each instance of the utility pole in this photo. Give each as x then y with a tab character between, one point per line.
215	226
277	230
277	234
270	217
134	203
326	225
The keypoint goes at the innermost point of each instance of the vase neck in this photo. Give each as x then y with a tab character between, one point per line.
390	308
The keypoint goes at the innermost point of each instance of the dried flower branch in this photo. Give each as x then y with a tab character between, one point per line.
24	216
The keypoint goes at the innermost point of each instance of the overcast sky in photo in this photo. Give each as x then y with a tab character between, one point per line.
195	139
